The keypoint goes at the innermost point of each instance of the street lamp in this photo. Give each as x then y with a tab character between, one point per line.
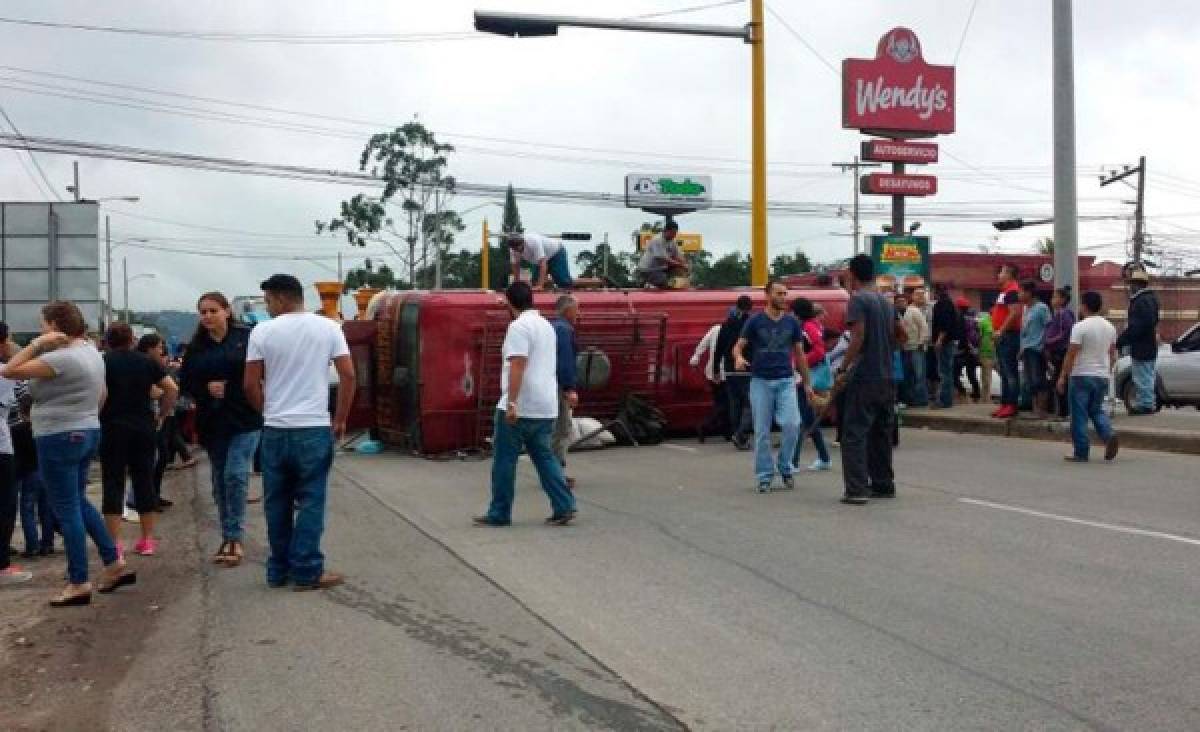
527	25
128	279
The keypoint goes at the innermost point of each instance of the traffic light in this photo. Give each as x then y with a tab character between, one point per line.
1009	224
576	236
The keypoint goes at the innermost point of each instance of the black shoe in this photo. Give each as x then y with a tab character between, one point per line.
1111	447
165	503
28	554
789	484
489	521
1139	412
883	494
277	584
855	500
561	519
46	551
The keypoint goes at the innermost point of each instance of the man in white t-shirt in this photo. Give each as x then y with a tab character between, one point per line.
1090	356
546	258
287	379
527	412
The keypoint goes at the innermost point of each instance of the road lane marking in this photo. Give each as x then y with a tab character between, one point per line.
681	448
1084	522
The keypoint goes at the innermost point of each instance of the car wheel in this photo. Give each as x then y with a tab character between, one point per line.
1128	394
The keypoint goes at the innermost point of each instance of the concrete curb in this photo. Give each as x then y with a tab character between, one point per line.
1138	438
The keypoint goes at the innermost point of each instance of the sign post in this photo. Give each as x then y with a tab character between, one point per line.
898	95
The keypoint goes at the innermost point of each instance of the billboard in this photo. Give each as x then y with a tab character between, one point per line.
901	261
668	193
897	93
48	251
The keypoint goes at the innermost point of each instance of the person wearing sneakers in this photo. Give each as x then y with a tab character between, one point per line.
818	367
1006	323
526	413
287	380
10	574
67	383
777	340
128	428
1090	356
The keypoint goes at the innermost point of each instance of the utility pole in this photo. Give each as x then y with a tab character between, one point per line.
758	147
108	303
125	274
341	278
856	166
484	251
607	255
75	188
1139	215
1066	203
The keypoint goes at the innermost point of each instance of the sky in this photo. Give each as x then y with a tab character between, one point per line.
579	111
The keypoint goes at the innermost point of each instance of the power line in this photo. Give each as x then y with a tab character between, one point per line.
283	38
803	41
681	11
966	27
50	191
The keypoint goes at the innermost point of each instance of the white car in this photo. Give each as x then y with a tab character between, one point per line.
1178	367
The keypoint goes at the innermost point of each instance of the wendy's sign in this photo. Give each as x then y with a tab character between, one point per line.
897	93
894	184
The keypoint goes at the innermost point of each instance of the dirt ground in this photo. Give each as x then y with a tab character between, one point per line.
61	669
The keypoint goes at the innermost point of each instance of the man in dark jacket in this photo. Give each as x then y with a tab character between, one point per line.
1141	338
567	308
737	383
946	332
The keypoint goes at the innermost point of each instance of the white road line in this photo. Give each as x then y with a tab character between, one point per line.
1084	522
681	448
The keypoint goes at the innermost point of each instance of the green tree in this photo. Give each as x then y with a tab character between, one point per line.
368	276
512	217
731	270
1045	246
603	262
412	165
788	264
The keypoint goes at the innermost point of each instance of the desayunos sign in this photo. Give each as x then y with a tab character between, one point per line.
897	92
668	192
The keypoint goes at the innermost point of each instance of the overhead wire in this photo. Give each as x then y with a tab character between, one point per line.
966	27
51	192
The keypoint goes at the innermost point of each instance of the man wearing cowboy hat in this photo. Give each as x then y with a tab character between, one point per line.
545	256
1141	338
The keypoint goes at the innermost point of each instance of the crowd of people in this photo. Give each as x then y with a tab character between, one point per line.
64	403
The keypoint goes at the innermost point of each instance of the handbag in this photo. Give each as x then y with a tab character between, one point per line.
822	375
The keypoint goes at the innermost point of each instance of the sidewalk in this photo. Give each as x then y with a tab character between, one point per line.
1171	430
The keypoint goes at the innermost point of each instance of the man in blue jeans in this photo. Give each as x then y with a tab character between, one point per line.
778	340
1092	351
1006	322
1141	338
287	379
527	412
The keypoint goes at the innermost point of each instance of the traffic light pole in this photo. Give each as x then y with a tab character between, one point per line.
1066	204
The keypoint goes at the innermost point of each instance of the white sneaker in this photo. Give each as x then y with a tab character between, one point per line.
14	575
131	516
820	464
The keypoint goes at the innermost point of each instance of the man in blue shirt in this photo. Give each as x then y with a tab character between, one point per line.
567	308
1034	320
777	339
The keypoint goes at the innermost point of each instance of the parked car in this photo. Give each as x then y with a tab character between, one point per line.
1178	382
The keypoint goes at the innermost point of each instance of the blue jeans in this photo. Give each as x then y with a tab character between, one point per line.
1086	395
1008	346
737	391
557	269
774	401
1034	362
35	513
945	362
1143	384
63	460
807	419
296	463
535	435
230	457
915	389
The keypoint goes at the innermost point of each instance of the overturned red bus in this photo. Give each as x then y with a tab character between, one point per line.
428	362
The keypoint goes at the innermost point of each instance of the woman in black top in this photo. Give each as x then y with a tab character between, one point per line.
228	426
127	439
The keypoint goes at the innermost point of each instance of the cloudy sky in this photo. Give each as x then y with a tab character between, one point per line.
578	111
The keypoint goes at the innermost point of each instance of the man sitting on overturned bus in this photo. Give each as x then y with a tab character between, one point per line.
662	259
545	256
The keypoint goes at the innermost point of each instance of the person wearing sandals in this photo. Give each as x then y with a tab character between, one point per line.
128	426
229	428
67	383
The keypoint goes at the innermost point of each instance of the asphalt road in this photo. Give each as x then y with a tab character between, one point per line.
1003	589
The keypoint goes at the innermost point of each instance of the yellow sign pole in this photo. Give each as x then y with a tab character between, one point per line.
483	259
758	155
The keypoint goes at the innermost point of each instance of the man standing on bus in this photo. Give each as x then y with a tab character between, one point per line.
545	256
